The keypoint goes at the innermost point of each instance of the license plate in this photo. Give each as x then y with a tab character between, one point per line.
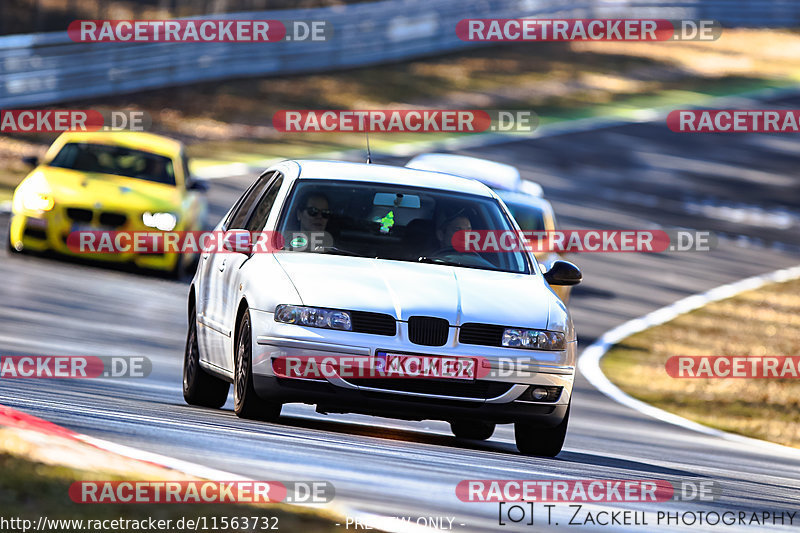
89	227
400	365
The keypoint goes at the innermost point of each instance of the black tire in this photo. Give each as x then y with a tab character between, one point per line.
246	403
179	270
200	387
471	429
541	441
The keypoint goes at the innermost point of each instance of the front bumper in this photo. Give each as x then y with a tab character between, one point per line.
494	398
49	231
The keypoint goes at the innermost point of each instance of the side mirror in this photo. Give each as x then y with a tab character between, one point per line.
197	185
31	160
563	273
237	240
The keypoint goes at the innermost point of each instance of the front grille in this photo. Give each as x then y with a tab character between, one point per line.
35	233
482	334
80	215
458	389
428	330
113	219
374	323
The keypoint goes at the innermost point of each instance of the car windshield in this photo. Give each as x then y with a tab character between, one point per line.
528	217
395	222
117	160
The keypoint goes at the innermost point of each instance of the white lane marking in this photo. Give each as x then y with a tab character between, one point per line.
751	215
589	361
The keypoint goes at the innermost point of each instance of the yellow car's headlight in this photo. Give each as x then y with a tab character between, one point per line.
36	200
162	221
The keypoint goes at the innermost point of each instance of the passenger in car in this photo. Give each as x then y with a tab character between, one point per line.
449	226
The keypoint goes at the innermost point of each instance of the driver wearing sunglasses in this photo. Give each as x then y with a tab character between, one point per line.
314	213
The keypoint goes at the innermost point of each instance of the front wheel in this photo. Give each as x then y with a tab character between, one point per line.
200	387
474	430
246	403
536	440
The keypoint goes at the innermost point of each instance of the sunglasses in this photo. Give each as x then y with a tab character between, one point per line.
313	212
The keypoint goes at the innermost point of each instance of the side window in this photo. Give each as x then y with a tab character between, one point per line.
259	217
240	214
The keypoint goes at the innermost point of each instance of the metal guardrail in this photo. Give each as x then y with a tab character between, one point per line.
46	68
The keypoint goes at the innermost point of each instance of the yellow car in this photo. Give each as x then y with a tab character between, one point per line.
115	181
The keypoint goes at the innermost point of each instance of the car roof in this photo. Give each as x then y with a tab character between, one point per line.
513	197
139	140
494	174
372	173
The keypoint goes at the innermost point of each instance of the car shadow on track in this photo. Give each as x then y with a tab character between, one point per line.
575	458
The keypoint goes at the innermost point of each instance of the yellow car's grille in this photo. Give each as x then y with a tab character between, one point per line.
113	219
80	215
104	218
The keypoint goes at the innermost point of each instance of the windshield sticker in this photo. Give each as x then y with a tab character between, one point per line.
387	222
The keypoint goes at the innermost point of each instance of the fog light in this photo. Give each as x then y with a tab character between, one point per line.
539	393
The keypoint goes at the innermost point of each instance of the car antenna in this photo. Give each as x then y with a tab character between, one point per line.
369	154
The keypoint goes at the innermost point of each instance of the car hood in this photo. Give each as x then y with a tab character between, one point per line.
79	189
404	289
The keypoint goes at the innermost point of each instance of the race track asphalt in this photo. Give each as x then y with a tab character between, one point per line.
635	176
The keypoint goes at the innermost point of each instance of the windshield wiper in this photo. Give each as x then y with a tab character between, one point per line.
338	251
438	261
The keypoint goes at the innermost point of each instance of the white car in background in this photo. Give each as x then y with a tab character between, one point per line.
385	285
524	198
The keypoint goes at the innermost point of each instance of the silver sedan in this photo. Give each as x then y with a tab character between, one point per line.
348	286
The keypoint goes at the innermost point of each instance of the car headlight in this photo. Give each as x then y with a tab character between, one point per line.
33	200
33	194
313	317
534	339
162	221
